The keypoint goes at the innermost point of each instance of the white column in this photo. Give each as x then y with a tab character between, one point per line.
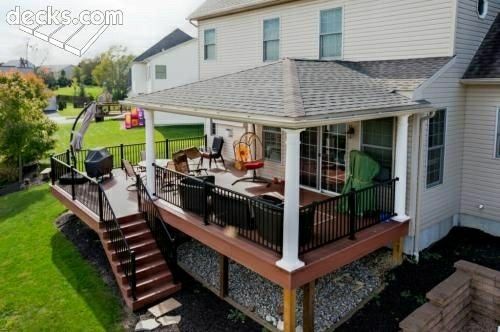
290	259
401	168
149	117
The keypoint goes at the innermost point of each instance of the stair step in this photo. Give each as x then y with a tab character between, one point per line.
155	294
131	218
151	282
135	237
130	228
143	259
147	270
140	247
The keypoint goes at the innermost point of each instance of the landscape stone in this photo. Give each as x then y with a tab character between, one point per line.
146	325
169	320
164	307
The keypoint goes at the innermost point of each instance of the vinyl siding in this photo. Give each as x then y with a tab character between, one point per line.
443	201
385	29
481	170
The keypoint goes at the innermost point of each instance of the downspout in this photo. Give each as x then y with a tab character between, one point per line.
416	224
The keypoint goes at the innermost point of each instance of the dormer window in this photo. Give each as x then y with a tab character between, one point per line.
482	8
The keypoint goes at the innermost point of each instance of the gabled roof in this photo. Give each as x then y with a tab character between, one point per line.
290	90
17	64
173	39
213	8
486	61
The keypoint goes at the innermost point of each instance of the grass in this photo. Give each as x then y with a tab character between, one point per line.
70	111
45	284
95	91
110	133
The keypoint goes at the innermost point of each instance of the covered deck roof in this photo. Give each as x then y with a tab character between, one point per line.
290	93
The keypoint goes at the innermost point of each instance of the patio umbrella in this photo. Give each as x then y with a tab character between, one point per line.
77	140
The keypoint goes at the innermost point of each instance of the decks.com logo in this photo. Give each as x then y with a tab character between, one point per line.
64	29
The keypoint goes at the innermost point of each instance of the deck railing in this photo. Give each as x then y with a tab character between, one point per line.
166	242
90	193
133	152
261	222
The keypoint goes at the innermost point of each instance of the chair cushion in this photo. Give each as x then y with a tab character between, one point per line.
254	164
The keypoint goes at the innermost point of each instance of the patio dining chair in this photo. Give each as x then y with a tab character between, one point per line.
213	153
181	164
130	173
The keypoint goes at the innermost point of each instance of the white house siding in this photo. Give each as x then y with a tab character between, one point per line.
373	30
481	170
440	204
182	68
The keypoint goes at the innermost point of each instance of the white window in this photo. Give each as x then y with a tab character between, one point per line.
435	149
330	34
482	8
271	39
161	72
272	143
209	44
497	145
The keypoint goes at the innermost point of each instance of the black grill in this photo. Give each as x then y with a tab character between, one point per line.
99	162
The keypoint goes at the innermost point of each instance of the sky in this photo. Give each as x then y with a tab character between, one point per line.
145	22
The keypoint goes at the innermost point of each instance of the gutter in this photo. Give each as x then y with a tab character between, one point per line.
416	224
283	122
480	81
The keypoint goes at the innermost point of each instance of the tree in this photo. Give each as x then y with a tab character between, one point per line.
26	132
77	75
48	77
63	81
86	67
113	70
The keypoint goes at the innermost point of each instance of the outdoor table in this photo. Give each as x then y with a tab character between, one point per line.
159	162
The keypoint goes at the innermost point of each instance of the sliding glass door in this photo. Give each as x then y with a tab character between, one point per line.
322	158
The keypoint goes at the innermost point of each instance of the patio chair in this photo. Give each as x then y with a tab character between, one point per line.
181	164
130	173
231	210
213	153
269	222
195	192
192	154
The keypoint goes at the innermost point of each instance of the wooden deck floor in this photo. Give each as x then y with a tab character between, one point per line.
255	257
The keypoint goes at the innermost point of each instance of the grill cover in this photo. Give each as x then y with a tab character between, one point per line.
99	162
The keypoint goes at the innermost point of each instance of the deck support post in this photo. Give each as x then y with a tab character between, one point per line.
290	260
149	118
401	168
223	276
308	307
289	307
397	251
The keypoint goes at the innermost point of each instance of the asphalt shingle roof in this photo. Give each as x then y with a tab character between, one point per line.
288	88
173	39
486	61
214	7
405	74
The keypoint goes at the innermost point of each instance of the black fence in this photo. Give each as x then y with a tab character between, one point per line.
91	194
164	237
135	153
261	221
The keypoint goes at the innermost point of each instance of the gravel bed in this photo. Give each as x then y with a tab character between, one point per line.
337	294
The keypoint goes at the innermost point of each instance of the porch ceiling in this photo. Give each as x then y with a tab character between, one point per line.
289	93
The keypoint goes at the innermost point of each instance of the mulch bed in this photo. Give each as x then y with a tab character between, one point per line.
408	283
201	310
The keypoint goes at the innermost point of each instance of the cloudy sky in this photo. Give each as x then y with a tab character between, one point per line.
144	23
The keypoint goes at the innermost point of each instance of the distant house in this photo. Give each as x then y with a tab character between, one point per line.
171	62
57	69
20	65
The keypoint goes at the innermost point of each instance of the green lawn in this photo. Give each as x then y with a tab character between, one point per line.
95	91
70	111
45	285
110	133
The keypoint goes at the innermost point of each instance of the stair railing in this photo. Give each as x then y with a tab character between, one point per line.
125	255
166	242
